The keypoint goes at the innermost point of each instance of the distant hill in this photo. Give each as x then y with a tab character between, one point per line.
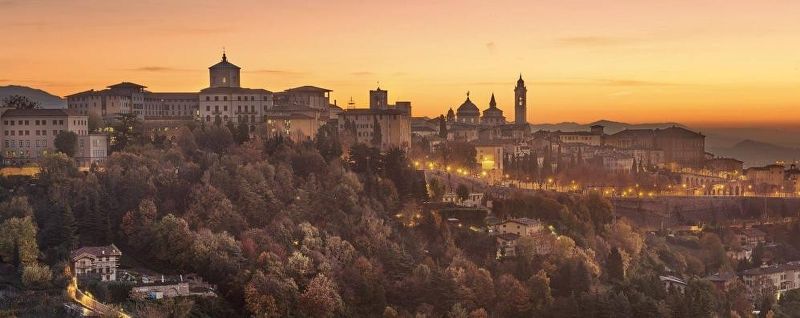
45	99
757	153
611	127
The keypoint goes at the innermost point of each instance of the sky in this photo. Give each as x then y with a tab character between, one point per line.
697	62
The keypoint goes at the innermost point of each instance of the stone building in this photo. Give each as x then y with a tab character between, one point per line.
27	134
96	262
226	101
394	125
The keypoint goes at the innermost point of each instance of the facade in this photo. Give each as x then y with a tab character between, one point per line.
508	233
776	278
96	261
770	177
580	137
490	158
681	147
122	98
521	103
395	126
618	163
92	148
226	101
378	99
27	134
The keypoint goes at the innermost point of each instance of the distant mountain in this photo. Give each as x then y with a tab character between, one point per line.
45	99
611	127
757	153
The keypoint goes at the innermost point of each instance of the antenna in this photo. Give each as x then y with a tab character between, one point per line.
351	104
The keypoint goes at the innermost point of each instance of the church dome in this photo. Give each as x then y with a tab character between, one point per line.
468	109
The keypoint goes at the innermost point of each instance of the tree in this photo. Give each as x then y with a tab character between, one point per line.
19	102
95	122
242	132
36	276
615	266
18	241
67	143
377	135
321	298
462	192
17	207
126	131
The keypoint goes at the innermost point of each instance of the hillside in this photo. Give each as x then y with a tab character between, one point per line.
45	99
757	153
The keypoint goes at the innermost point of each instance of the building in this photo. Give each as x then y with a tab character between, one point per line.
520	226
750	236
681	147
725	166
493	116
468	113
618	163
507	234
394	126
117	99
521	103
92	148
490	158
96	262
378	99
722	280
767	179
776	278
226	101
580	137
31	133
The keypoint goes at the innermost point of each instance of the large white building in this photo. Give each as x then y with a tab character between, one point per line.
28	134
99	262
226	101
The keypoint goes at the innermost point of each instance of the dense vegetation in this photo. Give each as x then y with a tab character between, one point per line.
291	230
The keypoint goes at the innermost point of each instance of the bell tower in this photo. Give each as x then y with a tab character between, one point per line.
520	102
224	74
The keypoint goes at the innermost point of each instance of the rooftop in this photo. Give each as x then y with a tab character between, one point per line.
96	251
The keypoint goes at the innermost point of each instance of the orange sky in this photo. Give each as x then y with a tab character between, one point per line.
691	61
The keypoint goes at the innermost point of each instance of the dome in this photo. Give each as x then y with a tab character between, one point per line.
468	109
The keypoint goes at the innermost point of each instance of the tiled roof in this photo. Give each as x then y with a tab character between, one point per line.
110	250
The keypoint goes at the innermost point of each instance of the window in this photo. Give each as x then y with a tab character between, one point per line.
224	97
216	98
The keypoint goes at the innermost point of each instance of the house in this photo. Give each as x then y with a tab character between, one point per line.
96	261
507	234
722	280
779	278
739	254
750	236
519	226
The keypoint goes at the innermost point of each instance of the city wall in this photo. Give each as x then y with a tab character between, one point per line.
661	212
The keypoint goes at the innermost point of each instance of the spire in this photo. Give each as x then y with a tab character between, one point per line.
467	95
492	102
224	58
520	82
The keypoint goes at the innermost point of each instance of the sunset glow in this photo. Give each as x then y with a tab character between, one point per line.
695	62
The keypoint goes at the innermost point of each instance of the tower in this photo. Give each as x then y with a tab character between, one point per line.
520	102
224	74
378	99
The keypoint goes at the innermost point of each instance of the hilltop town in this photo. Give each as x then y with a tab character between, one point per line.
244	202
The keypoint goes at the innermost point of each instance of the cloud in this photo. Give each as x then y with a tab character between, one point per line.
362	73
275	72
158	69
491	46
605	82
594	41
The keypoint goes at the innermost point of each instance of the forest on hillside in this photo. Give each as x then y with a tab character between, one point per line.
290	229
